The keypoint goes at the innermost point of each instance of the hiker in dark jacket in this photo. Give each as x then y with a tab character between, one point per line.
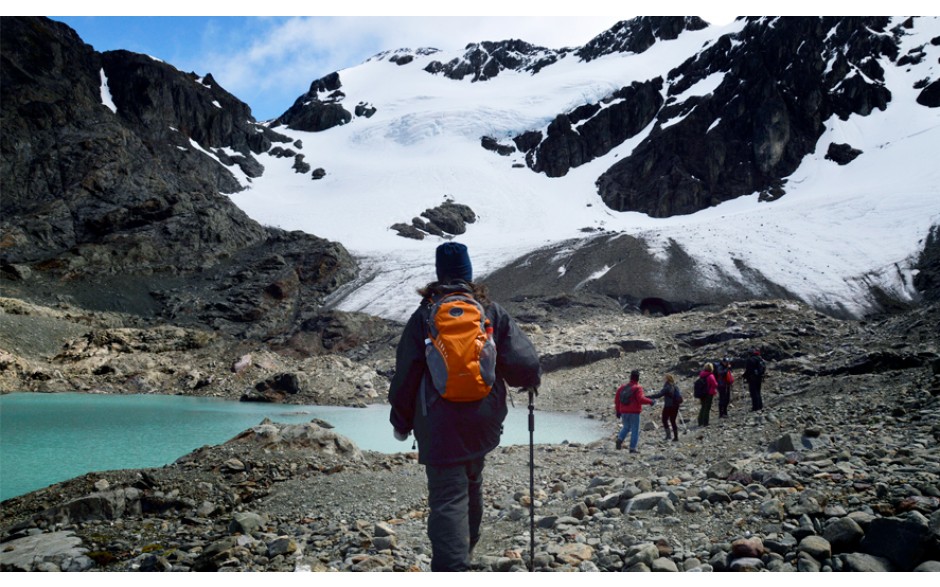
711	390
454	437
725	380
754	370
628	403
671	400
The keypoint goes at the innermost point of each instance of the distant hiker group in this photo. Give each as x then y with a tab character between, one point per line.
715	379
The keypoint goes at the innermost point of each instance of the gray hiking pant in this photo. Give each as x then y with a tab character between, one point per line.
455	498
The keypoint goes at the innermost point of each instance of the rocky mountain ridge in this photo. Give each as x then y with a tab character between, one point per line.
115	169
747	135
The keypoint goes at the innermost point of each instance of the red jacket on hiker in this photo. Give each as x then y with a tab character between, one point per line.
637	400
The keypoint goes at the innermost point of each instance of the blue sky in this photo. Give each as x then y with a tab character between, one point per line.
268	62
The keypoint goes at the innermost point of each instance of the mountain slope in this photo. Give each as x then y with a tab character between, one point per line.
773	156
667	159
114	167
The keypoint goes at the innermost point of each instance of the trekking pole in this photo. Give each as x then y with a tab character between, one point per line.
532	392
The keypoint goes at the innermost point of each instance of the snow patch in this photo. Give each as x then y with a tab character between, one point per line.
106	93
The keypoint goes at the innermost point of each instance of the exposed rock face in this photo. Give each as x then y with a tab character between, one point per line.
600	128
783	78
621	267
320	108
107	180
483	61
930	95
450	218
638	34
88	190
927	279
842	153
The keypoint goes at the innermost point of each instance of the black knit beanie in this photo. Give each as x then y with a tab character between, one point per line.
453	262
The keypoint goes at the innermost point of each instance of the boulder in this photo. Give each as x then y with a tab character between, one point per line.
843	534
752	547
842	153
903	542
746	564
816	547
645	501
62	549
859	562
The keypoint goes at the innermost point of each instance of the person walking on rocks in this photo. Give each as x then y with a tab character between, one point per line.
725	380
754	371
672	399
706	388
628	402
456	410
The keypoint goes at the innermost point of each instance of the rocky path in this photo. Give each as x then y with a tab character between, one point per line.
840	472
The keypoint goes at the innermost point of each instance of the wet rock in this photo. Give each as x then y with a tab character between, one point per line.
746	565
664	565
859	562
805	563
843	534
903	542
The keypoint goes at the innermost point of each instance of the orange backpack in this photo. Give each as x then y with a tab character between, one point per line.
460	352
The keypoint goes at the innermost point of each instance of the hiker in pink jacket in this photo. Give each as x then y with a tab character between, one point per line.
706	388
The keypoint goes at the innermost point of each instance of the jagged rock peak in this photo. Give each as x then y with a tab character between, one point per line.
485	60
320	108
403	55
155	96
638	34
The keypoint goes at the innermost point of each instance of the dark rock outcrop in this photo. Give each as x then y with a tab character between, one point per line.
450	218
842	153
600	128
107	182
638	34
783	78
483	61
491	144
930	95
320	108
927	280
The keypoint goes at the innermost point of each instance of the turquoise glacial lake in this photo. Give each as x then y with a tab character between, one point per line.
46	438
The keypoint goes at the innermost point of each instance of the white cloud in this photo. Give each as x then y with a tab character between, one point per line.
285	55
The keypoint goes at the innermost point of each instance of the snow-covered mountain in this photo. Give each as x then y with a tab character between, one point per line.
665	160
828	231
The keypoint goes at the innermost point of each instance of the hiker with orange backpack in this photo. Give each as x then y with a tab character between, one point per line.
456	355
628	402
